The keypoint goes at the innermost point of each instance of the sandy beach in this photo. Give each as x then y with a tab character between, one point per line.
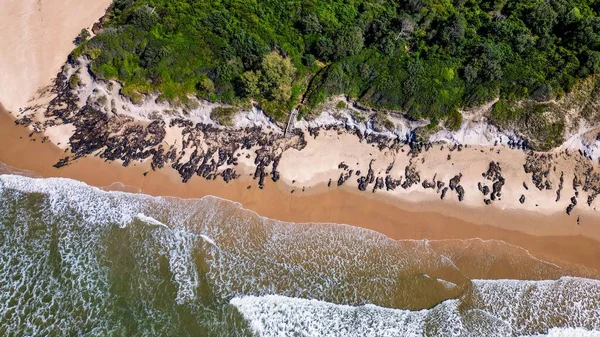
546	237
37	37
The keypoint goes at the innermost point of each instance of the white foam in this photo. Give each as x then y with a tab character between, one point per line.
568	332
447	285
526	305
274	315
338	265
283	316
97	208
150	220
209	240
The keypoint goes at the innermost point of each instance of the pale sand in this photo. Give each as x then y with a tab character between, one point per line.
37	36
553	240
318	162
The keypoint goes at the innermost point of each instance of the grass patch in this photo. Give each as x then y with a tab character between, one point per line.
223	116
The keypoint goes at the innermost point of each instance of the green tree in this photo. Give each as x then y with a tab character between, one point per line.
350	42
542	18
250	81
277	76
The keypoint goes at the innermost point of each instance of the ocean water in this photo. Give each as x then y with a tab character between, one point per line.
79	261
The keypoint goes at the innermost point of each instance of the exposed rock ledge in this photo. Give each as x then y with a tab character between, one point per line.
98	120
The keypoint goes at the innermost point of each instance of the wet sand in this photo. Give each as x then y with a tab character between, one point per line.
545	237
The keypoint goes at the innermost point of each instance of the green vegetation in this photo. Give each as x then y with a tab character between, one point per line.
542	123
341	105
382	122
84	34
426	57
223	116
74	81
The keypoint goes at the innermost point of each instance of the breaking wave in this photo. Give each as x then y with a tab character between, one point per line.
77	260
497	308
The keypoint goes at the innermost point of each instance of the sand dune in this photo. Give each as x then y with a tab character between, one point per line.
45	29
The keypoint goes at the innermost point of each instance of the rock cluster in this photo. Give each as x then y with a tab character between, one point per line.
561	182
205	150
364	181
571	205
210	151
493	174
455	186
411	176
539	165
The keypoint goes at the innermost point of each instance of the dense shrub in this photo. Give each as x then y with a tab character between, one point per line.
428	58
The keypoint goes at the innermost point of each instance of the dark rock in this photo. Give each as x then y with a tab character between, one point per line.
61	163
391	184
389	168
379	183
576	182
411	177
494	171
485	190
343	178
362	183
444	191
426	184
560	186
497	188
455	181
570	209
229	174
538	165
461	192
440	185
571	205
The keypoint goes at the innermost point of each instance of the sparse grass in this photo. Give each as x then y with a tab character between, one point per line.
223	116
453	120
358	116
74	81
382	122
505	114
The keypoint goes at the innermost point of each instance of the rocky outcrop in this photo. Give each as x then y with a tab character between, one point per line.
443	194
454	185
391	183
427	184
571	205
411	176
560	185
539	165
205	150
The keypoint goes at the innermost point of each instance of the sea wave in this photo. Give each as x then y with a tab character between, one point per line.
79	260
284	316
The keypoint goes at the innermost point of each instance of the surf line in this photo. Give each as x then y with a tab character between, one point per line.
151	221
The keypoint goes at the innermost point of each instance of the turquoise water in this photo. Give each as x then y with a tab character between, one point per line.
79	261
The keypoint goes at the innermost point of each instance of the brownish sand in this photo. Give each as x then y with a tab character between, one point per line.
398	220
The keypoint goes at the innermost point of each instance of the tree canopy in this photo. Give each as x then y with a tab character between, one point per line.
426	57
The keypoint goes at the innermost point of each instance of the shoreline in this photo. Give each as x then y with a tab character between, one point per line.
307	168
554	242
